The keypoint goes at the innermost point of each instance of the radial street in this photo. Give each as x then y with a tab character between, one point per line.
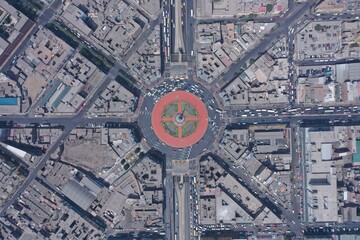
210	117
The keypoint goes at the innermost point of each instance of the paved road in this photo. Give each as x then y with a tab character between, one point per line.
322	62
187	211
297	11
68	126
180	210
189	30
139	9
33	172
179	38
232	116
140	40
268	19
169	216
153	141
44	18
144	121
10	48
303	171
299	118
252	187
294	166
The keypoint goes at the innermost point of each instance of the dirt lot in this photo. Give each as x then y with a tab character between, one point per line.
89	154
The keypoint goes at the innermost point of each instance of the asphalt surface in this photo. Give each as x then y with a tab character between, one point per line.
152	140
33	172
169	213
44	18
9	49
140	40
245	180
69	125
296	12
179	39
189	29
294	116
187	212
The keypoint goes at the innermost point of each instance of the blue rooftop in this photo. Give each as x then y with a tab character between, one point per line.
8	101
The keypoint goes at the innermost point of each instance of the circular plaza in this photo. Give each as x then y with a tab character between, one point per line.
179	119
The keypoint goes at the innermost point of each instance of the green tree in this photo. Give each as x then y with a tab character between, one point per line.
4	34
318	27
269	7
252	16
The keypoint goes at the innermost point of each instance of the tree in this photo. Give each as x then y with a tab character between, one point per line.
269	7
252	16
352	45
318	27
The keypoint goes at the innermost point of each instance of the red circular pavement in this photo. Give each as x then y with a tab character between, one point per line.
157	119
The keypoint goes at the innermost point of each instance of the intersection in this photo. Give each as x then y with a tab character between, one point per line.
153	119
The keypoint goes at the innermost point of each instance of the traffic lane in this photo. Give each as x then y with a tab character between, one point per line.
172	28
295	160
33	172
245	180
169	218
259	19
69	126
64	120
189	30
303	169
321	62
143	37
293	118
151	138
283	24
10	48
187	208
272	110
174	153
43	18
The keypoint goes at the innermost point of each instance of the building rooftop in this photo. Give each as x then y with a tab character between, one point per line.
79	194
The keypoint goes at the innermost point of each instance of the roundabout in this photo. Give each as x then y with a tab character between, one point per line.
179	119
